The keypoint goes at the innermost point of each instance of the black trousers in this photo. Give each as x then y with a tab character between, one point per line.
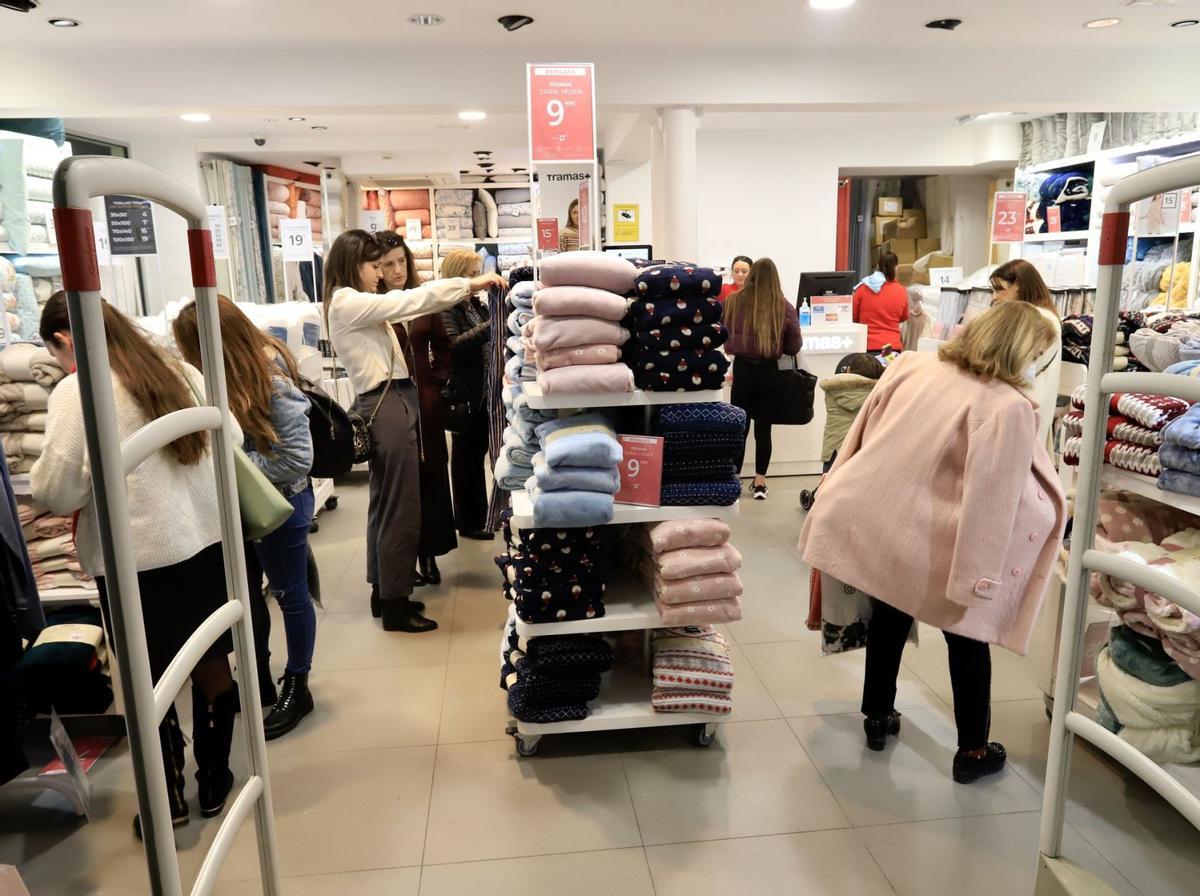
467	479
753	382
970	674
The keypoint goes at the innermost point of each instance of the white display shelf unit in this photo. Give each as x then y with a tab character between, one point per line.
1072	236
628	606
624	514
1147	487
636	398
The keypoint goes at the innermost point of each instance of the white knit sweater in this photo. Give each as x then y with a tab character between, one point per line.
172	508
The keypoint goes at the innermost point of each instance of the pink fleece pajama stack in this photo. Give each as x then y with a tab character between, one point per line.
51	547
695	572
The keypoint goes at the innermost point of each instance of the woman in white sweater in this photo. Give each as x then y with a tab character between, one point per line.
359	322
174	520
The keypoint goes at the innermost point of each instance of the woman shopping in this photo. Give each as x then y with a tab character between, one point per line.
738	272
431	372
568	237
1019	281
882	304
763	326
947	443
265	398
470	334
359	323
174	519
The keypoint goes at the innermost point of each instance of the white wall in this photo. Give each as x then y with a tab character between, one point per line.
630	183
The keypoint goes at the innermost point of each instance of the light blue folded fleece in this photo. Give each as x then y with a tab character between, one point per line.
564	478
584	440
1179	482
524	421
510	476
1177	457
570	508
517	370
518	319
519	451
521	295
1184	431
515	346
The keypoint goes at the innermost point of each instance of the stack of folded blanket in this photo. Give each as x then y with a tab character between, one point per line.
1077	341
51	545
676	321
554	574
27	375
552	679
514	213
423	259
1179	454
1157	350
576	333
576	473
297	201
701	444
405	204
692	671
694	570
1141	416
27	166
454	210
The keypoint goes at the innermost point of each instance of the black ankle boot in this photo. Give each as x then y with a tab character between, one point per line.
969	768
404	616
429	570
212	738
170	741
295	702
377	604
878	730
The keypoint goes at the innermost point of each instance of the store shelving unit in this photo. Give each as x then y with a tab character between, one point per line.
1147	487
626	514
636	398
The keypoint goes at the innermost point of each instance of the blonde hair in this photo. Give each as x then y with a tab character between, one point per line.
461	263
759	307
1001	343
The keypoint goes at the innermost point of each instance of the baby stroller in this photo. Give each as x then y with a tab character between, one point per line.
845	393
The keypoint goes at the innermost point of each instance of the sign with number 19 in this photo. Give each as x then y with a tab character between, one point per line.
562	118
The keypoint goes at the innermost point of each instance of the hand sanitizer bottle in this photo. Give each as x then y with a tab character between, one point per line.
805	315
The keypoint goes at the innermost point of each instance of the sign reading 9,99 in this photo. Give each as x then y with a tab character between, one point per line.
562	122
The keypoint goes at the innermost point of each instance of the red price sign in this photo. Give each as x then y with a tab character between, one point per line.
1054	219
547	234
562	116
641	470
1008	225
585	215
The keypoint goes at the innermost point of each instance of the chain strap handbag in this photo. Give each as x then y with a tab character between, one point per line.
364	441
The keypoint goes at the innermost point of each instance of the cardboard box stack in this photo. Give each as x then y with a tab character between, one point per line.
905	233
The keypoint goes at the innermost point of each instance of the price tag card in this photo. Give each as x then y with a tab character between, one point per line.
831	311
641	470
562	118
1054	219
1096	137
1008	223
70	760
296	234
100	232
374	221
413	228
219	230
547	234
945	278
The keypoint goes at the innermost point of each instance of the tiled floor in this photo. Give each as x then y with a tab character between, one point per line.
403	783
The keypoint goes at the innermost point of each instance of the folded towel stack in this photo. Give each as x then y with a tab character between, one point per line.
676	320
512	213
51	546
1077	340
701	444
552	679
455	214
1179	454
576	472
27	375
692	671
694	570
515	464
1138	419
554	574
27	166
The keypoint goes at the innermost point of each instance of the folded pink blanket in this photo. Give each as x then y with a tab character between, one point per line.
566	332
279	208
562	301
674	534
715	587
51	526
575	356
590	379
700	612
1187	662
409	199
277	192
45	548
1169	617
1139	621
685	563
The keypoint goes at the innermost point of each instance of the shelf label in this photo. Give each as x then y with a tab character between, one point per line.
1054	219
70	760
1008	223
625	223
296	234
562	115
547	234
219	229
413	229
945	278
641	470
1096	137
130	226
374	221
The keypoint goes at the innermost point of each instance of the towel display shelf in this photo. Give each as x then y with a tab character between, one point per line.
624	514
636	398
628	606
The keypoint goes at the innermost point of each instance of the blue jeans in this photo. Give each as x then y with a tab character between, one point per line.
283	556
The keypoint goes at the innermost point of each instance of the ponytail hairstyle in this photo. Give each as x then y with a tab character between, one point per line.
349	250
157	385
248	370
757	309
888	262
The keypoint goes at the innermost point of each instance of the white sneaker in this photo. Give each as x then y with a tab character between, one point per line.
759	492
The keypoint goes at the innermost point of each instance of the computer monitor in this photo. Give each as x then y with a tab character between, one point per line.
826	283
632	252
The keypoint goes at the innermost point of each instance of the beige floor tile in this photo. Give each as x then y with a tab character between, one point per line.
384	882
362	709
477	626
829	863
804	683
751	702
1144	839
755	779
1012	675
474	707
910	780
775	602
357	641
985	856
604	873
488	804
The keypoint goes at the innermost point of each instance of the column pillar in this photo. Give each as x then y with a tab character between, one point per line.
679	162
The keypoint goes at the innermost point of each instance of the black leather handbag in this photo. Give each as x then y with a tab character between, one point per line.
795	390
333	434
456	411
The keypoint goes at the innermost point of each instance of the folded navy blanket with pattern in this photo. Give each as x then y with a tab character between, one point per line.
701	494
679	371
542	691
538	612
707	416
697	456
678	279
682	336
648	314
562	654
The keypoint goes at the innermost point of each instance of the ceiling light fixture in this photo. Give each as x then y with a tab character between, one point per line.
943	24
426	18
196	117
514	22
296	118
1185	23
472	115
1101	23
64	23
319	127
830	4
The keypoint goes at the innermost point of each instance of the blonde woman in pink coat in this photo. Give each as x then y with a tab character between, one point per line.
949	443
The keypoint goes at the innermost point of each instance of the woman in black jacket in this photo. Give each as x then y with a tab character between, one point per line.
470	333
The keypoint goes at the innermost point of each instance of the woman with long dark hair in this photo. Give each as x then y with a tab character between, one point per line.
763	327
359	322
431	371
881	303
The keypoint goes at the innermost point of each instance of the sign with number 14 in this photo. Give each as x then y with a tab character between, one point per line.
562	118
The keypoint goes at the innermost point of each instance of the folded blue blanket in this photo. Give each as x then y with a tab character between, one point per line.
698	494
1185	368
1184	430
515	346
509	476
1177	457
518	319
569	508
584	440
517	370
567	478
708	416
1180	482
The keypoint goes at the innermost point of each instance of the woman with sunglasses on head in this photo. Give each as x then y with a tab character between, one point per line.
359	322
431	371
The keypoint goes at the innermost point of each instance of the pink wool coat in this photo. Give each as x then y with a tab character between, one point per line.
943	504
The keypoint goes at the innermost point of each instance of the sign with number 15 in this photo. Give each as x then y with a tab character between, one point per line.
562	117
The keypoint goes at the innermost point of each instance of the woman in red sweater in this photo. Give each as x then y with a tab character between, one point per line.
738	271
882	304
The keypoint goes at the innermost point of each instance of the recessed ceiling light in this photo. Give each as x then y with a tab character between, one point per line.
64	23
1185	23
830	4
472	115
1101	23
943	24
296	118
196	117
426	18
319	127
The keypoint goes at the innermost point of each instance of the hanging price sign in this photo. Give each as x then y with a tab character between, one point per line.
373	221
1008	223
562	113
547	234
296	235
641	470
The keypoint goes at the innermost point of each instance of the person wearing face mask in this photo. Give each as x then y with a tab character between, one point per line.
358	320
738	272
1019	281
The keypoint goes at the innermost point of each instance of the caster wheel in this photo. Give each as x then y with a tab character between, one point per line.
314	528
527	747
806	499
705	737
331	503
